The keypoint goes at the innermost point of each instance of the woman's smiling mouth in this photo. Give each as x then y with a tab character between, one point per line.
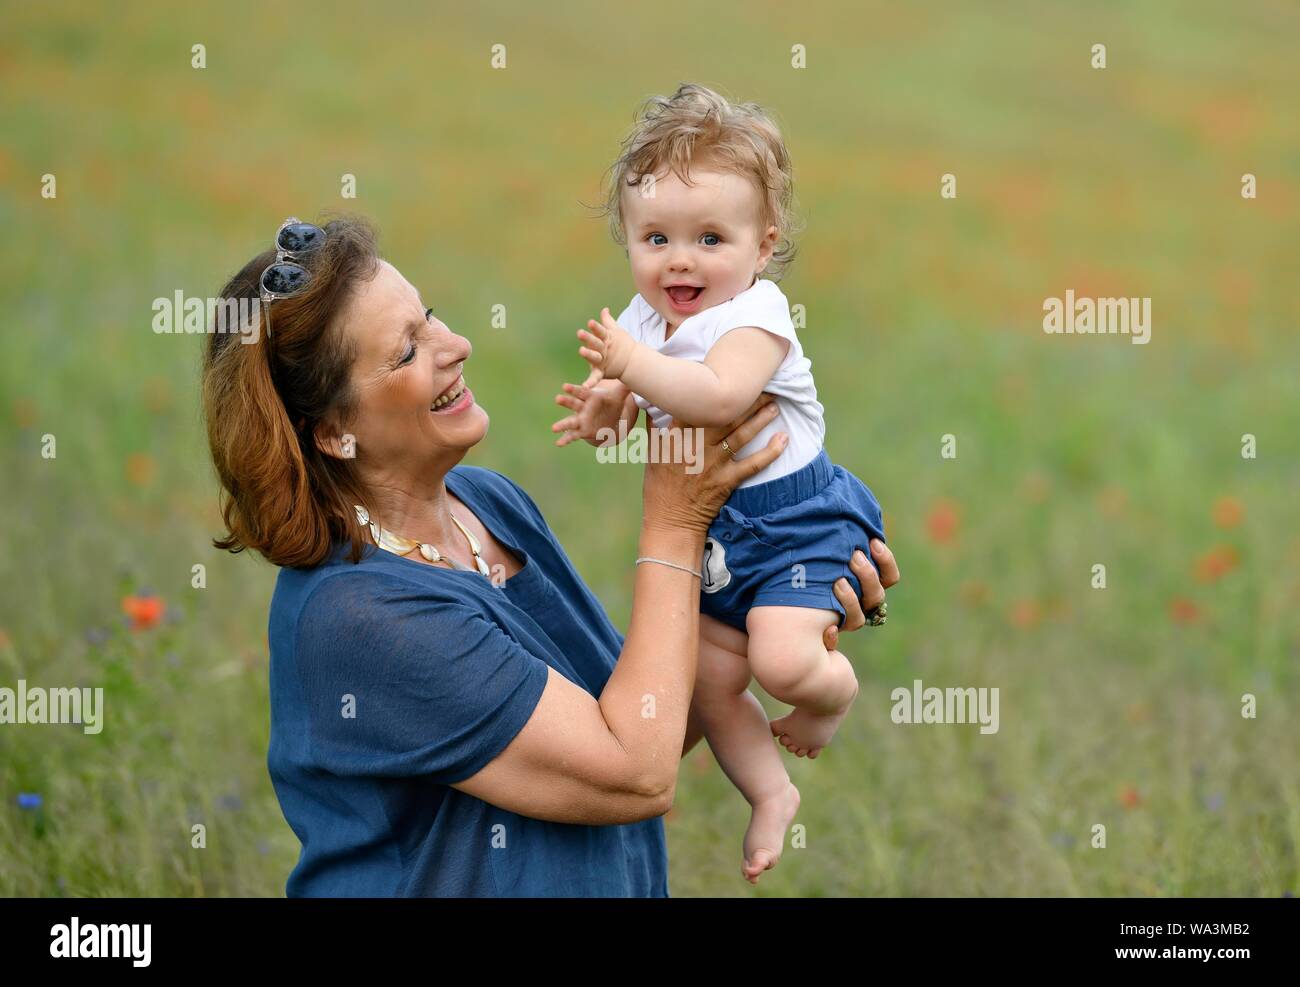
456	398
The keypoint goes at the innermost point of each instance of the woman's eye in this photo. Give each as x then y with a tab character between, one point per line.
711	236
428	315
655	238
410	355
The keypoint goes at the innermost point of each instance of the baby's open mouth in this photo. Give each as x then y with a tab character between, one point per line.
684	294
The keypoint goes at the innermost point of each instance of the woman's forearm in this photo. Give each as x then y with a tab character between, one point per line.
648	697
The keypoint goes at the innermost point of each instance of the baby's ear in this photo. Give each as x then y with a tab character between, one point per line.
766	247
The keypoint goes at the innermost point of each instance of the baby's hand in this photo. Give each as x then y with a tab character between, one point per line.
609	347
595	408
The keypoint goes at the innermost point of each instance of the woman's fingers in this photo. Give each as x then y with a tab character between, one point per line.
831	636
754	421
873	593
885	559
854	617
873	589
756	461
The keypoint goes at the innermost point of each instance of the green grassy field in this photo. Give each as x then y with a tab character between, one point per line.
1119	707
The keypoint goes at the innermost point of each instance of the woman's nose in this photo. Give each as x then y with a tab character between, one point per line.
454	348
460	352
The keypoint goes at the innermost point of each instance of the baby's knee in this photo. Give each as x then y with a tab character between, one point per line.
784	653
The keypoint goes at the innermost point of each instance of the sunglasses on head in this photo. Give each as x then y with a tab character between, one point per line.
283	278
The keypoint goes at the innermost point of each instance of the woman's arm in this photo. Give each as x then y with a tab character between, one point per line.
614	760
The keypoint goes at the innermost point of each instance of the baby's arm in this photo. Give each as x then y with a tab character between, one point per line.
715	392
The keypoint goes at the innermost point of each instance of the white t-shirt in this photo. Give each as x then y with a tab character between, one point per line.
764	305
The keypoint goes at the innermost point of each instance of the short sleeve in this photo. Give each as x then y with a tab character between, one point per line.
634	317
762	305
399	683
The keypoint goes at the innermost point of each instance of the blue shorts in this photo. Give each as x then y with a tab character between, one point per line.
785	542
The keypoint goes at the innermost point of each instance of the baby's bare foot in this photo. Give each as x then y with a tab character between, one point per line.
768	822
804	732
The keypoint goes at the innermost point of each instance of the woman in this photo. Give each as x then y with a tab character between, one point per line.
459	716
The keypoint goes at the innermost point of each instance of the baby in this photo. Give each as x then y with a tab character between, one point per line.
702	197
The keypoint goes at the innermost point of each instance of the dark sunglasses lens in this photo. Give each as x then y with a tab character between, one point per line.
284	279
300	237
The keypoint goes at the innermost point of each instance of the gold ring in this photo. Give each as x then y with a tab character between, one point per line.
727	449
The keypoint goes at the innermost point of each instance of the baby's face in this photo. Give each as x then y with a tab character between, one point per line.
695	246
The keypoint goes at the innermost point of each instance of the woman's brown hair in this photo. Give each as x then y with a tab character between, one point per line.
264	397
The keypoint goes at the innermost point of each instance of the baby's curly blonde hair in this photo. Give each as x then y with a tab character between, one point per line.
697	126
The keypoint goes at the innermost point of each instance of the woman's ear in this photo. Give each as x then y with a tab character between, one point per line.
332	442
766	247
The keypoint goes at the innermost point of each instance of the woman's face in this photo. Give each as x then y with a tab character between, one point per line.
406	362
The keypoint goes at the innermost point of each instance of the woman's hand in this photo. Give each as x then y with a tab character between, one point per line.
688	493
873	585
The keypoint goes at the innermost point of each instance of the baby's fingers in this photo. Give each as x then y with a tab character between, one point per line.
568	402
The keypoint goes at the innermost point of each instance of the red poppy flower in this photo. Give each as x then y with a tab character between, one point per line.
1025	613
1216	563
1183	611
1228	512
140	469
144	611
943	521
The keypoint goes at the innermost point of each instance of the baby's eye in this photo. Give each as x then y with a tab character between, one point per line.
711	236
655	238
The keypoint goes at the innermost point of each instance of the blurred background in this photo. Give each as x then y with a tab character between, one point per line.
1120	707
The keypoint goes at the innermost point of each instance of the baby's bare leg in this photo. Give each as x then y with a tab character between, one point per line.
788	658
737	730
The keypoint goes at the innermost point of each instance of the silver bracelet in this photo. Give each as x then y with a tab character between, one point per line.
693	572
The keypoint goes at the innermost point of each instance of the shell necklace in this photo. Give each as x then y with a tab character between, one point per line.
404	546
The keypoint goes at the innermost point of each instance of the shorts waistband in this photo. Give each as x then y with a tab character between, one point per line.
764	498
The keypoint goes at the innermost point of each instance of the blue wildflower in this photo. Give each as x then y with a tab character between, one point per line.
230	801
